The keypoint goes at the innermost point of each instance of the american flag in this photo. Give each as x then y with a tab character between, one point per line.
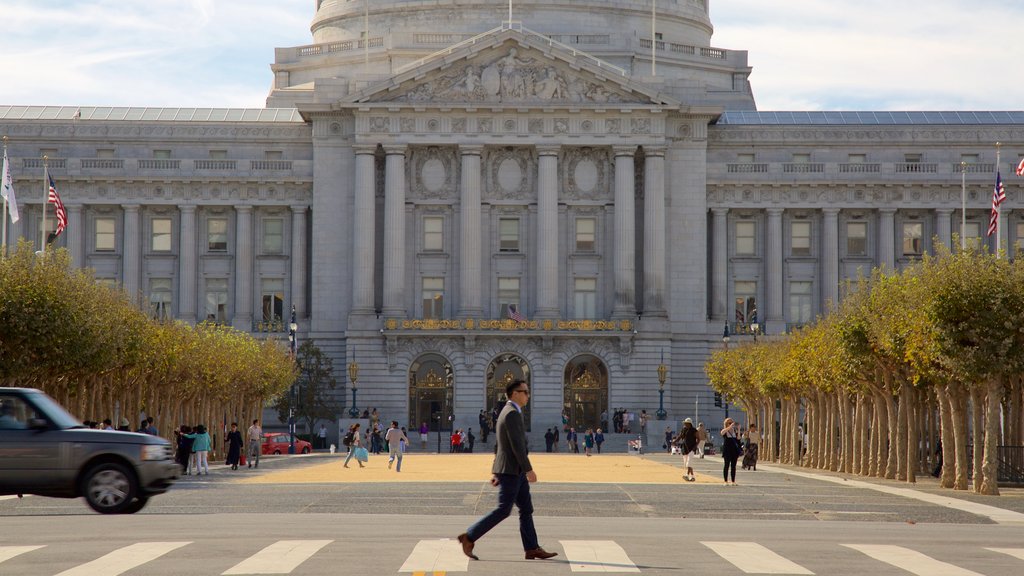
514	314
1020	168
62	214
998	196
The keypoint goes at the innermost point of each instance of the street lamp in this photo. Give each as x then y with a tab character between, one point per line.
662	374
293	328
353	375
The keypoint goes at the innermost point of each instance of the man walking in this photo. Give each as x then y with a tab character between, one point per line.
394	438
255	434
512	473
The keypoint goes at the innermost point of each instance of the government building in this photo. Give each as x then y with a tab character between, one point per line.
451	198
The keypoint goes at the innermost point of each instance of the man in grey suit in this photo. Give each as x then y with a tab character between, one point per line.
512	474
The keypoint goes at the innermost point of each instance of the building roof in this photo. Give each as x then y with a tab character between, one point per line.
144	114
871	118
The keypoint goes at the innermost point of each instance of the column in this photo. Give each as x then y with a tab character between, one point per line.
625	234
394	231
547	232
887	239
363	230
944	226
720	265
243	269
830	256
654	232
298	261
773	270
131	248
187	265
76	235
470	295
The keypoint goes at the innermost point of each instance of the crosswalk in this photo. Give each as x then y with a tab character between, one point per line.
444	556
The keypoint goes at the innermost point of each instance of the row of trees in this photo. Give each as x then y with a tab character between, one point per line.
906	360
91	348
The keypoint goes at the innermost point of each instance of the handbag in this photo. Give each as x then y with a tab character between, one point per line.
361	454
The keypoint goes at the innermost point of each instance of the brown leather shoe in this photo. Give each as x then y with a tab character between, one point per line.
467	545
539	554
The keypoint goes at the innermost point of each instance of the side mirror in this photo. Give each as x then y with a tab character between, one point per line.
38	424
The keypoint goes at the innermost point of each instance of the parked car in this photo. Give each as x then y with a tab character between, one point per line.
45	451
278	442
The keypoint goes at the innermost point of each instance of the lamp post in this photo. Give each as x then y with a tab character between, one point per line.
725	341
662	375
353	375
293	328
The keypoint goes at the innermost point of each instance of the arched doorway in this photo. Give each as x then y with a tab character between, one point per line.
431	386
585	386
500	373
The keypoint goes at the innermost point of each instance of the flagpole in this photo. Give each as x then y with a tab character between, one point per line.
46	198
3	234
998	206
654	36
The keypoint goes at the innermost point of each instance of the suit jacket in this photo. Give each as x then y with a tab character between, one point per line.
511	455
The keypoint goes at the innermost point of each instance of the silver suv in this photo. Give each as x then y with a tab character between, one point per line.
45	451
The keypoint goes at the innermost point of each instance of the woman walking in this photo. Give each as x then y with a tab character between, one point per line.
599	439
201	447
731	449
356	443
234	441
753	438
588	441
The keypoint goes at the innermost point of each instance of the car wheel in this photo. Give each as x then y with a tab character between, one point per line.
305	450
277	452
136	505
109	488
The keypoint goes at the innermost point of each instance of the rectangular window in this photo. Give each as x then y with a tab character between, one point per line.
433	297
104	234
585	234
217	234
800	302
508	228
745	292
972	234
508	295
105	153
857	158
217	300
433	234
801	158
160	298
801	238
912	158
745	158
856	238
273	155
218	154
745	238
161	234
273	235
272	290
1019	241
161	154
969	158
913	238
585	298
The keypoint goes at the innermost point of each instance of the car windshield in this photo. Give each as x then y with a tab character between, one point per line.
55	411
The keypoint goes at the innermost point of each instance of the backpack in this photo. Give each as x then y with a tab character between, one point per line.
348	439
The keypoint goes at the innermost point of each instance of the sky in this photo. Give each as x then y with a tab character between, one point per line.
805	54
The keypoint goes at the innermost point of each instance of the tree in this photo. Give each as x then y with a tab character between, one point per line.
311	395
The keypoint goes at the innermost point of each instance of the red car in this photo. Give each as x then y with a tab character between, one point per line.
277	443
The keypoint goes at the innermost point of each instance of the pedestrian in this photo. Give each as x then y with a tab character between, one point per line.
322	434
753	440
512	473
404	444
353	441
731	449
374	420
395	436
588	441
687	442
424	432
124	426
604	420
107	424
151	428
255	437
554	433
548	439
482	421
234	446
599	439
702	439
376	440
183	456
201	447
470	439
667	446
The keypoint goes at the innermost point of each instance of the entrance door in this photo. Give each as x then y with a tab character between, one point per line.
585	386
501	372
431	388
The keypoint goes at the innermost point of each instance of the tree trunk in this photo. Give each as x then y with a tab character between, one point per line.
891	441
977	434
958	406
913	458
990	464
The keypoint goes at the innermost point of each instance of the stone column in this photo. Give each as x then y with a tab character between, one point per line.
76	235
773	270
887	239
394	231
470	289
131	248
654	232
363	230
944	226
830	256
625	234
298	262
720	265
547	232
187	265
243	269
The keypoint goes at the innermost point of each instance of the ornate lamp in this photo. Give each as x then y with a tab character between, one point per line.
353	375
662	375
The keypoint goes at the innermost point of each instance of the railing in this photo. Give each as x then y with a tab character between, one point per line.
103	163
215	164
269	326
716	53
746	168
38	163
803	167
271	165
916	168
344	46
1011	464
159	164
860	168
975	168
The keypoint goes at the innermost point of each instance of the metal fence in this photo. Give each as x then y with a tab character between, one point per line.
1011	464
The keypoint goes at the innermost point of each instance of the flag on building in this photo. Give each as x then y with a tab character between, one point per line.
62	214
1020	168
7	191
514	314
998	196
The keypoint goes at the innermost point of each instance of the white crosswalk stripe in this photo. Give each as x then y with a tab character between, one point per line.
279	558
1015	552
752	558
597	556
124	559
8	552
911	560
436	556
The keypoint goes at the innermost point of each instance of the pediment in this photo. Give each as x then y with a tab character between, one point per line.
513	70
